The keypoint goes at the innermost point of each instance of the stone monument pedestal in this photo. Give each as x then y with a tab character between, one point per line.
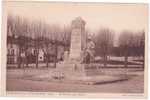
78	74
71	70
71	67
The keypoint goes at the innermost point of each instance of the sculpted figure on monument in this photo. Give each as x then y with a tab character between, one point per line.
89	51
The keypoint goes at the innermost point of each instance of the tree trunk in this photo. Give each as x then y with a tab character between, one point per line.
143	54
143	60
105	56
26	59
47	60
19	58
27	62
126	60
46	55
37	58
105	60
55	60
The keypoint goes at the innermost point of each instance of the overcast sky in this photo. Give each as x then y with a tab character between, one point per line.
115	16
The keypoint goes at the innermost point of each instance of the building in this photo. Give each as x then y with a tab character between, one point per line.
12	49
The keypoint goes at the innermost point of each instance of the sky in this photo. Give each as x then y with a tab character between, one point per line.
118	17
114	16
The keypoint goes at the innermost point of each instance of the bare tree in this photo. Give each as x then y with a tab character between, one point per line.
42	34
47	42
104	42
19	29
142	46
10	35
56	30
37	30
66	36
125	41
10	27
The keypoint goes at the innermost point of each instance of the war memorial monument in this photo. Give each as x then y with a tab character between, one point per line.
77	64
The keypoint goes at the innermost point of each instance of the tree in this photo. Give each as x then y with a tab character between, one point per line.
10	27
38	31
66	36
104	42
125	42
18	26
56	31
47	42
142	46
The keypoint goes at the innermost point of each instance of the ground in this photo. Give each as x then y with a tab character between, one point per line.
17	81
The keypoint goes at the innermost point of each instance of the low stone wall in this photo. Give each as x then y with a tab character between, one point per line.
92	69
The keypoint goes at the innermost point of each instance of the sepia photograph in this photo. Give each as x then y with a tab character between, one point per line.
66	47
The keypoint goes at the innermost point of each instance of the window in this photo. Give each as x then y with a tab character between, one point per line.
34	52
8	52
12	51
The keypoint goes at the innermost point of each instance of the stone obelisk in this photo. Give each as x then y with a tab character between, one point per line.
78	40
72	67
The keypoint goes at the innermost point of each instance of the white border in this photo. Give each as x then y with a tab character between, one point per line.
107	1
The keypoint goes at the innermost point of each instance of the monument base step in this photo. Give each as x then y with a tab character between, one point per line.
70	69
86	80
92	80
